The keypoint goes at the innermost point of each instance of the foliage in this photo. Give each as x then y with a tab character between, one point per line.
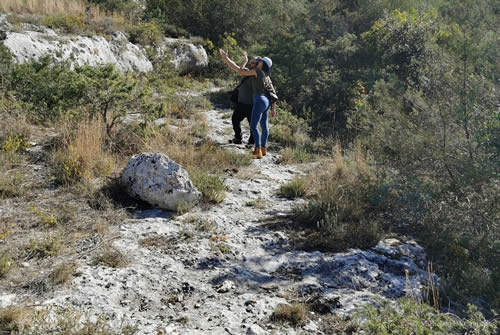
15	144
295	314
66	22
48	245
342	215
288	129
294	189
410	317
146	34
211	186
56	320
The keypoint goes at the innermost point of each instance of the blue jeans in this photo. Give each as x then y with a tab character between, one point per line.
259	115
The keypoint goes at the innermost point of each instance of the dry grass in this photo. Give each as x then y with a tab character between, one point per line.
295	314
63	274
206	156
44	7
111	257
56	320
82	156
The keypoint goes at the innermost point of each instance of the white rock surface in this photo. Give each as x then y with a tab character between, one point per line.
28	46
188	285
186	56
158	180
34	42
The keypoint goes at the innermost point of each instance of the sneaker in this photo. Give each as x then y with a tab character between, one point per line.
235	141
263	150
257	153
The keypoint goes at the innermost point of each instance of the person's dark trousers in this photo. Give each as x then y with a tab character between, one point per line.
241	112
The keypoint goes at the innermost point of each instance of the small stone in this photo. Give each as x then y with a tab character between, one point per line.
255	330
225	287
25	264
197	306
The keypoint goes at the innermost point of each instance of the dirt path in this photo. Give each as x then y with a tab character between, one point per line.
220	271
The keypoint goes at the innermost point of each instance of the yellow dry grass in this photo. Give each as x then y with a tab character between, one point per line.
44	7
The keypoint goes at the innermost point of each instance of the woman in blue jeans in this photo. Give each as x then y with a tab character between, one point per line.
261	104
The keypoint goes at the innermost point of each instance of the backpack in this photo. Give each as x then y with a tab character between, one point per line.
271	92
233	95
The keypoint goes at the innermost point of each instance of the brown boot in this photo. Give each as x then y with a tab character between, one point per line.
257	153
263	150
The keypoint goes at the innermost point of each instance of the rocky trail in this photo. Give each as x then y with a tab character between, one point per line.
222	271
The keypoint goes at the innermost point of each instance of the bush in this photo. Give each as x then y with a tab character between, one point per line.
49	245
410	317
211	186
147	34
287	128
341	215
66	22
82	155
296	155
294	189
295	314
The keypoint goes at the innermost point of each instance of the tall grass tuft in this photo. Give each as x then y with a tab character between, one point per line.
83	154
45	7
340	215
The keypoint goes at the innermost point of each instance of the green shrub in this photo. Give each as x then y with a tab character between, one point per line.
340	215
287	128
14	144
298	154
295	314
410	317
148	33
66	22
294	189
49	245
211	186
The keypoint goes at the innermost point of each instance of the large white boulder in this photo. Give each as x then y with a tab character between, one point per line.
158	180
185	55
30	43
27	46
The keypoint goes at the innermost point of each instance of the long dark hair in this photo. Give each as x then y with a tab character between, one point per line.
265	68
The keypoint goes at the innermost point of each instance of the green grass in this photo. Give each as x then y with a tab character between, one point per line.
294	314
409	317
211	186
296	155
294	189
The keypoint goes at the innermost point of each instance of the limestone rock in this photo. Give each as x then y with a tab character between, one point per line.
33	42
255	330
158	180
26	46
186	56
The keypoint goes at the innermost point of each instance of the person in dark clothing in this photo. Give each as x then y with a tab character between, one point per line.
243	109
262	103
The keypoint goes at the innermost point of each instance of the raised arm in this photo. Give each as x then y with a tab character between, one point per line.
232	65
245	61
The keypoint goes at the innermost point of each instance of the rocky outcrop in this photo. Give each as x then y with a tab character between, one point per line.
185	55
28	46
33	42
158	180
